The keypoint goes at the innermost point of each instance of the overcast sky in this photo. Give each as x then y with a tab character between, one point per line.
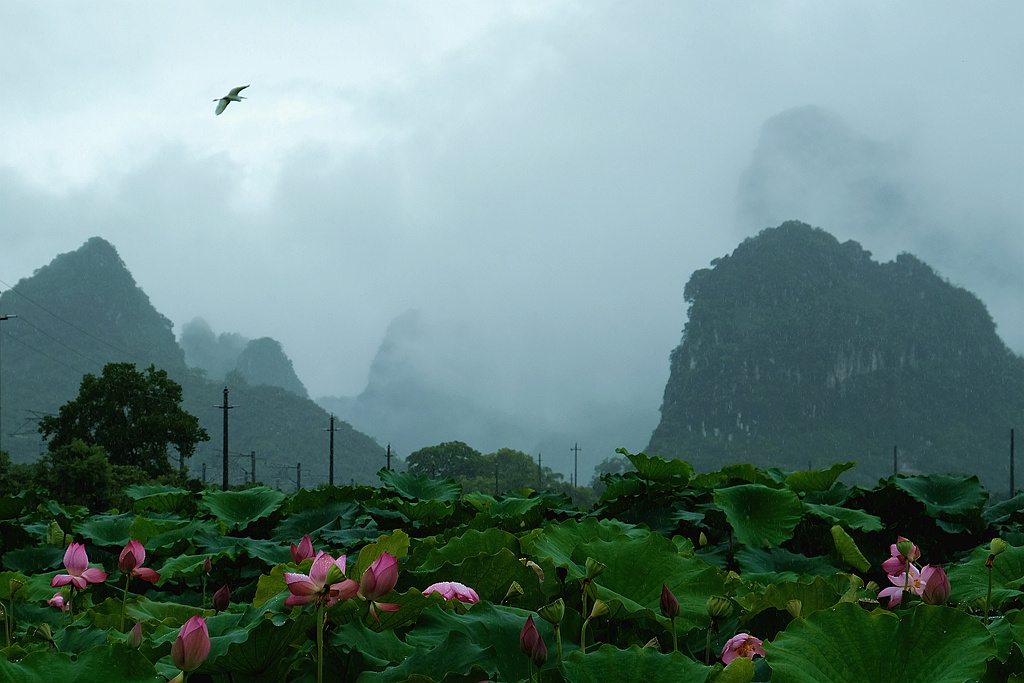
538	179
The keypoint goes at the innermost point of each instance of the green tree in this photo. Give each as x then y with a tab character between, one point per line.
449	459
134	416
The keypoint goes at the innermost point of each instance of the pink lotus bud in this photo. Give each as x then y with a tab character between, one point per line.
135	635
380	577
669	604
192	645
936	586
528	636
58	601
207	566
539	653
222	598
303	550
131	559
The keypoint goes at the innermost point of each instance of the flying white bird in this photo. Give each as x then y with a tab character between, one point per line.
232	96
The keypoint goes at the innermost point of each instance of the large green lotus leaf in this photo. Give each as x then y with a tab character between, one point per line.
619	485
459	655
160	498
171	536
381	649
817	480
637	568
420	486
270	585
396	544
142	608
412	602
760	516
237	509
427	512
109	530
1005	511
12	506
657	469
225	629
175	569
558	541
470	543
34	559
813	596
490	627
330	517
969	580
848	517
848	549
116	663
943	494
526	508
608	663
740	471
847	644
266	654
489	575
271	552
778	560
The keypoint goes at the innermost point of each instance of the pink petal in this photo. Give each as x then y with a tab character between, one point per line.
293	600
75	559
147	574
94	575
343	590
299	584
60	580
894	594
321	565
80	582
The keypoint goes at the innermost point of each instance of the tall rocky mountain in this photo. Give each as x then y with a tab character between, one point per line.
803	351
85	310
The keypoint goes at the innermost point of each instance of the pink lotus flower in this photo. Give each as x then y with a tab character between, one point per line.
377	581
453	590
192	645
135	635
58	601
130	562
528	636
79	572
913	580
897	564
741	645
222	598
669	604
303	550
323	585
936	586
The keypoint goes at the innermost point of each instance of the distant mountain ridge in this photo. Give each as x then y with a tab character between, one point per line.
85	310
800	350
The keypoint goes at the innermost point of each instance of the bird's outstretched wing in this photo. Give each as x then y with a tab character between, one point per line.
222	104
234	91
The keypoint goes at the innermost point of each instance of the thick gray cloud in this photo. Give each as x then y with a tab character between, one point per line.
537	179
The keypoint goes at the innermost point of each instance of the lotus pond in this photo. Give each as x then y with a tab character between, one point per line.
732	576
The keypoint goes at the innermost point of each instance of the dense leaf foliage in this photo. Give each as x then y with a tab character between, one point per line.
795	559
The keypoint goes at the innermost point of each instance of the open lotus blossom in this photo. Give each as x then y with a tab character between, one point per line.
913	580
897	564
130	562
58	601
303	550
377	581
76	561
192	645
323	585
742	645
453	590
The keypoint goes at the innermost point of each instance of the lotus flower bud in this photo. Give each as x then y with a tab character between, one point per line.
997	546
936	587
702	540
135	635
527	636
794	607
554	612
539	653
718	607
594	568
668	603
192	645
207	566
222	598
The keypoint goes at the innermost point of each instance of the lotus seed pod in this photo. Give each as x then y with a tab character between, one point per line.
719	607
702	540
905	547
514	591
594	568
794	607
599	610
997	546
554	612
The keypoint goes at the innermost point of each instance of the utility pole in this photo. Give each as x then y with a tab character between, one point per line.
895	467
298	476
204	472
2	318
1011	464
225	408
252	457
389	455
576	464
495	475
540	472
330	466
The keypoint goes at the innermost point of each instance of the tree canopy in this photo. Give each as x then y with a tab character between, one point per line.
134	416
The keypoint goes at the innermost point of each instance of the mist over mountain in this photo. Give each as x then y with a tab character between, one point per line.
85	310
802	351
421	393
